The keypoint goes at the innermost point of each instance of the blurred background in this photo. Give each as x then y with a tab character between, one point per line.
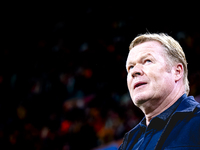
62	70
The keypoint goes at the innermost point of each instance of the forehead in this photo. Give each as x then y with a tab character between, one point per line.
153	48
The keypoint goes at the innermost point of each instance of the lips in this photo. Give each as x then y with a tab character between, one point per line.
138	84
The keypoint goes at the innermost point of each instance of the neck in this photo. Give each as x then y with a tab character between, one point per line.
156	107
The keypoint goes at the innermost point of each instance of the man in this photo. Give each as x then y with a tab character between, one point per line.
158	85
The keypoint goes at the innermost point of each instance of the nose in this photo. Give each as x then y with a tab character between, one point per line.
136	71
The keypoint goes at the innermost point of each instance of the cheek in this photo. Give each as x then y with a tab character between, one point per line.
129	81
161	81
156	79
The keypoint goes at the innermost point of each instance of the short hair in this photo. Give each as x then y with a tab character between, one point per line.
172	48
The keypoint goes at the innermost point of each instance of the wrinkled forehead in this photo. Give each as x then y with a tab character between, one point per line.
150	48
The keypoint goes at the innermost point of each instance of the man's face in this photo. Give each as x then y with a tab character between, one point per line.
149	78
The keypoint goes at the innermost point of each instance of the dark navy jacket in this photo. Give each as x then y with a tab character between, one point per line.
181	131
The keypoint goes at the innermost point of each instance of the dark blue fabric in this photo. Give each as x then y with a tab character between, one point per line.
176	128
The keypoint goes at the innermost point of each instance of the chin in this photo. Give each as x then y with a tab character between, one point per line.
139	99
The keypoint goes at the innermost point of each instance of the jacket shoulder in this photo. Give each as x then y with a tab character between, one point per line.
184	127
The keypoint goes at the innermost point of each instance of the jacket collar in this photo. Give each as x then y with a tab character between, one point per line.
188	104
185	104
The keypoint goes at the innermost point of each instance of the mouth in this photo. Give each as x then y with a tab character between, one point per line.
139	84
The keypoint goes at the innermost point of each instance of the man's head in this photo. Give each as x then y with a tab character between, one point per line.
174	52
158	63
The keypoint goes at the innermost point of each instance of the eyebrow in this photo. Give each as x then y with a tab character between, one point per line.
146	55
141	58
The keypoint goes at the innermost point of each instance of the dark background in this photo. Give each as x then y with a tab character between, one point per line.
62	69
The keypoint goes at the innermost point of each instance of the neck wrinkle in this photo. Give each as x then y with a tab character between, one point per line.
164	105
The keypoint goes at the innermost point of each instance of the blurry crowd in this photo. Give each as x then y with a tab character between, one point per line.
65	86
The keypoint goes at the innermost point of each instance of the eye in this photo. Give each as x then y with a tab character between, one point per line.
147	61
130	67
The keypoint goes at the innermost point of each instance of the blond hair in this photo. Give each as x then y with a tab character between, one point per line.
172	48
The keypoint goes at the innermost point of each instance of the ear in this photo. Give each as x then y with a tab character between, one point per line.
178	72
